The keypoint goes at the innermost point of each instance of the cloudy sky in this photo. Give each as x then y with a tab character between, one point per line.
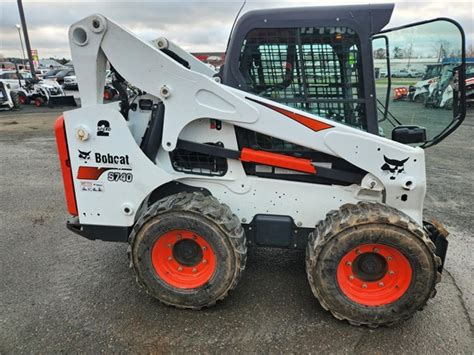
195	25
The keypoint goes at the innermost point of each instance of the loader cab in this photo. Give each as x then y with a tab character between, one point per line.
322	60
432	71
315	59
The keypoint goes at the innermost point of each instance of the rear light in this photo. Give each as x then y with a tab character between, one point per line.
61	142
400	92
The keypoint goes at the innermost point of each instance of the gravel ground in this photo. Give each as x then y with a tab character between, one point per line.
62	293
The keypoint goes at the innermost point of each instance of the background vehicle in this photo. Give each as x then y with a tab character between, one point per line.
401	73
41	93
70	82
407	73
8	99
38	91
470	89
40	72
440	92
432	71
415	73
199	165
420	91
15	78
51	73
59	76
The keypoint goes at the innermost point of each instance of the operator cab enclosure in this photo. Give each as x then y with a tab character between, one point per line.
327	61
317	59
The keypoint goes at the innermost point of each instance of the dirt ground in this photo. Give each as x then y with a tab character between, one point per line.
62	293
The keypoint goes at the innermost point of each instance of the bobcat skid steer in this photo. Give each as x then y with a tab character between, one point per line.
280	148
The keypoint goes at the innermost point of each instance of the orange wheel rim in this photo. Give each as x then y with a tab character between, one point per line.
106	95
374	274
22	99
183	259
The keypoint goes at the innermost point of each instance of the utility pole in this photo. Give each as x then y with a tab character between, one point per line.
27	39
410	50
18	27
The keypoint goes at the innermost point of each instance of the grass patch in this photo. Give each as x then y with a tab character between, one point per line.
398	81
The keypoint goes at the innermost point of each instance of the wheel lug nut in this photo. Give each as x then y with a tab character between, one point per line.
194	270
204	248
364	285
168	245
170	258
357	251
204	261
351	277
180	268
381	284
389	258
348	263
179	236
376	250
391	272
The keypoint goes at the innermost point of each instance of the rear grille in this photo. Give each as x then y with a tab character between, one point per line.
189	162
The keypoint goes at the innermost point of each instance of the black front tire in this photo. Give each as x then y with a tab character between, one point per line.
39	101
353	226
420	98
205	216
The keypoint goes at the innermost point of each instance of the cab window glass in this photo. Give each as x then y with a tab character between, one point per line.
316	69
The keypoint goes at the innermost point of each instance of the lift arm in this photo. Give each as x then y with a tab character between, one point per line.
195	64
189	95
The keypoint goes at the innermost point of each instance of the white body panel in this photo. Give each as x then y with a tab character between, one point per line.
194	98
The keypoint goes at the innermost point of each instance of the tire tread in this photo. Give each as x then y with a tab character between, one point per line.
348	216
213	210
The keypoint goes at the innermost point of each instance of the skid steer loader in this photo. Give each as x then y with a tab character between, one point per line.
280	148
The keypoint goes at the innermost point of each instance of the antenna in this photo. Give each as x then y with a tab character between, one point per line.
233	25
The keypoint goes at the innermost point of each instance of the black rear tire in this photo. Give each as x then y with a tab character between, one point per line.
357	226
16	100
24	100
205	217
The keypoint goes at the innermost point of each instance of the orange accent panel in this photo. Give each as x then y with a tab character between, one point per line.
90	172
279	160
61	142
305	121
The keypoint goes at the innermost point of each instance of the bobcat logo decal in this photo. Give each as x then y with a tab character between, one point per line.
84	155
394	167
